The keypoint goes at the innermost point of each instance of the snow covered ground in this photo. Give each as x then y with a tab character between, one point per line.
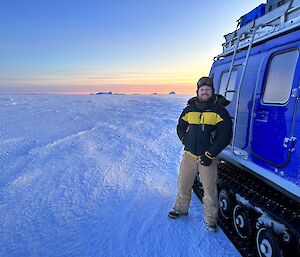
95	175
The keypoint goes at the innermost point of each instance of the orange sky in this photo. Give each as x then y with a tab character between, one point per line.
164	81
127	89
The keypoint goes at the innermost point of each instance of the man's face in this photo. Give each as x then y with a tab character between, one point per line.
204	93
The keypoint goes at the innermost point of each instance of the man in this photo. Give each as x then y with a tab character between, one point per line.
205	129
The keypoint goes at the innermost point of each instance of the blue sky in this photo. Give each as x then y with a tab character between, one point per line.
129	45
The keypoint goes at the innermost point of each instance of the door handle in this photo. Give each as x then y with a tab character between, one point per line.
262	115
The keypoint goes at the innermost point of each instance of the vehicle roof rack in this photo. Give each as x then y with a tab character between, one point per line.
280	20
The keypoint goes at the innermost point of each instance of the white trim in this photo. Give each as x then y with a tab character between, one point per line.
286	185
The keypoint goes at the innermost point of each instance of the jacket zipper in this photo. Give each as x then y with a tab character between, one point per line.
202	124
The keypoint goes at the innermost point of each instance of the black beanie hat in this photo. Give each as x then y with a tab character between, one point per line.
205	81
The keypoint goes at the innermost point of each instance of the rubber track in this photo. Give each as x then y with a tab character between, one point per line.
259	194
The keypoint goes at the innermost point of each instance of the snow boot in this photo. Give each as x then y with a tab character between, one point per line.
211	227
175	214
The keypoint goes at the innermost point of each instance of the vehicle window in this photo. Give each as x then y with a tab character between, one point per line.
280	77
231	85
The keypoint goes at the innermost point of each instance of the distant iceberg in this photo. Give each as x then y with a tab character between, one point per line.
103	93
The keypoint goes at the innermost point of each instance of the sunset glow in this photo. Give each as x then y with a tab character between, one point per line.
140	47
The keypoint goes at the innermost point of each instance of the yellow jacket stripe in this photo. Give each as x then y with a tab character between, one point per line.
197	157
191	154
197	118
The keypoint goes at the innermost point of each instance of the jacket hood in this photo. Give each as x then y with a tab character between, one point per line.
221	100
192	100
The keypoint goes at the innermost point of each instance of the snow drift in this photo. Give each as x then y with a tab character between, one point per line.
95	176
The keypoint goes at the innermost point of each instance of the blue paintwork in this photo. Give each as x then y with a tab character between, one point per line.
270	123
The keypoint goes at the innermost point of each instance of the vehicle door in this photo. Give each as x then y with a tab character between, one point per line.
274	113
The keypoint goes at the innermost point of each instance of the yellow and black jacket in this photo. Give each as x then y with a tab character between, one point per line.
205	129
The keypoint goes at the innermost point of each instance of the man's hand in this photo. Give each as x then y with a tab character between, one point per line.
206	159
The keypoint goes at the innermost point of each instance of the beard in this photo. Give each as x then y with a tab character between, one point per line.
206	104
200	98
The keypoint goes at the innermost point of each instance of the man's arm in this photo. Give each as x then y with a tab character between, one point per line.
182	126
224	135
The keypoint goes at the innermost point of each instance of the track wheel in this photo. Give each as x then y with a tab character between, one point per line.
242	221
267	244
226	203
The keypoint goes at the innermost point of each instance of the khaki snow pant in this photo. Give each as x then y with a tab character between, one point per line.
189	168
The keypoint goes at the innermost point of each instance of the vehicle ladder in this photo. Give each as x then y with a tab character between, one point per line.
236	91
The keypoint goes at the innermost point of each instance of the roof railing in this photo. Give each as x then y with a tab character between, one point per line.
280	20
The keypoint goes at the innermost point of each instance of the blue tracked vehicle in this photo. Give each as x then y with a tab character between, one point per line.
259	176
